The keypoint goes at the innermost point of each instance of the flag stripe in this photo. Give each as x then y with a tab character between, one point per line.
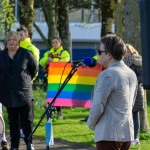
59	65
71	102
70	87
81	72
74	80
70	95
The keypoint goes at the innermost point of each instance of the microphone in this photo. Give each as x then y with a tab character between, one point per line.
87	61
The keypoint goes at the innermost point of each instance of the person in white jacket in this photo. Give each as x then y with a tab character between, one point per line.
113	98
3	141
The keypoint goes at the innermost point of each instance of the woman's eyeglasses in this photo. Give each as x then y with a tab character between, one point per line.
100	51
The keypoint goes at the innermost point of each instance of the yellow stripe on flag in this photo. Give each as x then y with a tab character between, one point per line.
74	80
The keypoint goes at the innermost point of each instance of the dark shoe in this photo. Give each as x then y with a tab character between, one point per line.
4	145
14	148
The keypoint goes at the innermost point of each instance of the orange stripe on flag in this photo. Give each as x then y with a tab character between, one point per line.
60	68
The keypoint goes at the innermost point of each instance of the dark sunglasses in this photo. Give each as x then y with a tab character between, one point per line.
100	52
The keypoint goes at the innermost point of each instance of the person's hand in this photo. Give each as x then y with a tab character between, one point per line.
49	60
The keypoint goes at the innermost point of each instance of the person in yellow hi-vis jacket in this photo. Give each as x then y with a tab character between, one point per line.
25	42
96	57
55	54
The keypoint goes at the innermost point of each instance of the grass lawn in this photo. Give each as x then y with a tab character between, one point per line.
70	128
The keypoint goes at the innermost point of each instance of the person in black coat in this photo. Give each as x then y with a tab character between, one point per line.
134	61
17	69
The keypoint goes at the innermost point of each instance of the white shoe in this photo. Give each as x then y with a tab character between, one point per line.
135	141
32	147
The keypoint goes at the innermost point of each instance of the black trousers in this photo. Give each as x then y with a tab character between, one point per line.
59	110
20	115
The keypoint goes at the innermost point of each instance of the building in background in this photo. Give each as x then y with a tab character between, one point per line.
84	30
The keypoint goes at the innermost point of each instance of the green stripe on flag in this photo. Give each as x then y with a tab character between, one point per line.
71	87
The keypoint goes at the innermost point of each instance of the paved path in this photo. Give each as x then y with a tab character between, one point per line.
39	144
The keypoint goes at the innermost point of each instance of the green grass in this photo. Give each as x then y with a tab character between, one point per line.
70	128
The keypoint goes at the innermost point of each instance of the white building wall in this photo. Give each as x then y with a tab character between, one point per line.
82	35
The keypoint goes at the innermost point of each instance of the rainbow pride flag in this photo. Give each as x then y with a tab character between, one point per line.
78	91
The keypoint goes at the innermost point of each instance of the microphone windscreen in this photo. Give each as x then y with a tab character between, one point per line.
94	63
88	61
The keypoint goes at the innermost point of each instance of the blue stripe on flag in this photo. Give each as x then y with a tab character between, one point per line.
70	95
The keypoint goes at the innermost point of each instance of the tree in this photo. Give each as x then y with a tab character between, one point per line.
27	14
63	23
59	11
50	13
143	116
107	13
132	24
56	17
119	18
132	36
6	17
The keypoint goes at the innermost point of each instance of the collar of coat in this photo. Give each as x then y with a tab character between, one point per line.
25	43
133	59
58	51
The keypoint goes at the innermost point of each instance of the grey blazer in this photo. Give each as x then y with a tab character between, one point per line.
113	99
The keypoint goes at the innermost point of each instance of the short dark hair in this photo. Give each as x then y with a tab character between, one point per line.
115	46
57	38
110	33
22	28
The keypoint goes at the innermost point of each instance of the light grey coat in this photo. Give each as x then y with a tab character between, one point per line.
113	99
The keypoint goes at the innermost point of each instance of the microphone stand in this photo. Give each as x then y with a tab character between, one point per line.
49	109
